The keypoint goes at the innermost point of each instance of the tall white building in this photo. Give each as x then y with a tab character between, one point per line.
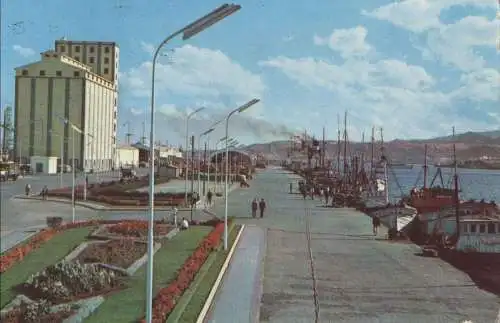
61	86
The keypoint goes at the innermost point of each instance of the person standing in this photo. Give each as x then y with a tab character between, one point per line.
262	207
255	206
209	198
375	224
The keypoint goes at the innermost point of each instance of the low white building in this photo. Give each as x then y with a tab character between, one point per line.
127	156
167	151
43	164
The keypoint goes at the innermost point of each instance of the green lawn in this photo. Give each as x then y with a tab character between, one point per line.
128	305
200	288
49	253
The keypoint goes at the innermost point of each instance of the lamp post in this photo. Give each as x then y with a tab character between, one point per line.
187	154
238	110
199	156
187	32
73	175
217	163
62	156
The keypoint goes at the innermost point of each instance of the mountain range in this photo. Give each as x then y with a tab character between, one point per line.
469	145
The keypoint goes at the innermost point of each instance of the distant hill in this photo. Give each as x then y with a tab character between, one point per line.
469	145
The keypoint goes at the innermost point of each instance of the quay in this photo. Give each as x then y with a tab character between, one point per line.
359	277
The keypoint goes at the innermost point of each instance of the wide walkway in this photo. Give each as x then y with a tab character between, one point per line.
243	278
360	278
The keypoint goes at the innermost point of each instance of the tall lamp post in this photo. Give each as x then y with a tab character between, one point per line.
217	163
61	170
73	175
187	32
199	156
238	110
187	154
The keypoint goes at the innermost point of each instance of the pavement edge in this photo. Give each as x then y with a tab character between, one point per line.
215	287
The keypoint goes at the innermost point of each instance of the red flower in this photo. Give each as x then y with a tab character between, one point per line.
165	300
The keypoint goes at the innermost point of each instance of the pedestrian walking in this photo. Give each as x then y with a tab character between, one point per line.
326	193
255	206
45	192
375	224
209	198
262	207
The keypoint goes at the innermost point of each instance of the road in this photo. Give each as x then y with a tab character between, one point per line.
359	277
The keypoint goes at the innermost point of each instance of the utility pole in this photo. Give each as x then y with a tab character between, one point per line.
129	134
372	167
455	180
345	144
323	152
143	138
205	165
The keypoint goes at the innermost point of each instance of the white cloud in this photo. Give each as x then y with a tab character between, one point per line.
420	15
23	51
198	72
452	44
402	98
347	42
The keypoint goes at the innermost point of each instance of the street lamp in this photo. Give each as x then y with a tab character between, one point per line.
221	140
199	155
61	170
187	153
238	110
73	175
187	32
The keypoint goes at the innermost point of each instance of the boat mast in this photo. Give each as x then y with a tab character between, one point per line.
323	150
338	143
384	162
372	166
425	166
345	144
455	179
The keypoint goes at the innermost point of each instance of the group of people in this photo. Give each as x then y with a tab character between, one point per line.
258	205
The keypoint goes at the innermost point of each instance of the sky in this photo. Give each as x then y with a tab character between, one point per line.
413	67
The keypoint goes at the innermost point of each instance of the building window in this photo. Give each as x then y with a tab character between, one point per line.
482	228
106	60
491	227
91	49
473	228
106	70
62	48
58	73
76	74
42	73
91	60
106	49
77	49
77	58
25	72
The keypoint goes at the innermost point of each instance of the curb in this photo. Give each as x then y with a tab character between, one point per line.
97	207
215	287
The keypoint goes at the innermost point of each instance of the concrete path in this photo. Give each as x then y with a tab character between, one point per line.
243	278
359	277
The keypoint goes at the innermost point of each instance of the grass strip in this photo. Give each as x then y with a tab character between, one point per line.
190	292
47	254
203	283
129	305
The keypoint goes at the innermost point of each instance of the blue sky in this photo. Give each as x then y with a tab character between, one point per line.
413	67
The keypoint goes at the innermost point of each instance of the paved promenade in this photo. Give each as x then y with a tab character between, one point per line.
360	278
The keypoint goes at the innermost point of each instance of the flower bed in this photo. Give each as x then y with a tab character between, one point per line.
137	229
37	312
70	281
165	300
120	253
15	255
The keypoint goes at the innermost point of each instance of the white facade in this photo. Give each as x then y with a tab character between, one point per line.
43	164
166	152
127	156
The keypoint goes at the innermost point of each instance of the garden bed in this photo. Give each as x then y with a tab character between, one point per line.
135	230
36	312
71	281
120	253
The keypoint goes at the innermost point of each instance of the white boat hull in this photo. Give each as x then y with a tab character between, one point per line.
398	217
